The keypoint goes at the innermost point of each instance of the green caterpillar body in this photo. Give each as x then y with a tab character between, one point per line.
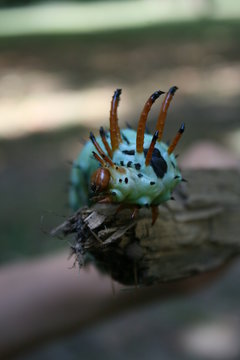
139	184
128	167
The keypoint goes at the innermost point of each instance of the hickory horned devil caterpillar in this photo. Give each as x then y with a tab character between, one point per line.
130	168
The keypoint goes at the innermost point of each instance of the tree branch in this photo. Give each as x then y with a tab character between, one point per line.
197	233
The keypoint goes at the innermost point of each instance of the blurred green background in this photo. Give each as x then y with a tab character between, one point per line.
60	63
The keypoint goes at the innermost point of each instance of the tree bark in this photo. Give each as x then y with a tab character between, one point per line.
196	233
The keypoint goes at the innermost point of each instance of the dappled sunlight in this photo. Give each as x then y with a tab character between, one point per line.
47	110
33	101
49	82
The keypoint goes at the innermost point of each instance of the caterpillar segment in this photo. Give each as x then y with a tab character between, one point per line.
131	168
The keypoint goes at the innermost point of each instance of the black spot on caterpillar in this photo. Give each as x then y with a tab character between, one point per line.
158	163
129	152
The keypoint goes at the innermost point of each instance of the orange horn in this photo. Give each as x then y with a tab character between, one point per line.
176	139
104	140
151	148
98	158
114	129
100	151
163	111
143	120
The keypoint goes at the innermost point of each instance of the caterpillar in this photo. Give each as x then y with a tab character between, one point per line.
128	167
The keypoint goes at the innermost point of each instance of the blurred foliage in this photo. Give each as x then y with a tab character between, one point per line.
13	3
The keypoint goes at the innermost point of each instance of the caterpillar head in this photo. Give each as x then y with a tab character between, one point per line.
100	180
109	180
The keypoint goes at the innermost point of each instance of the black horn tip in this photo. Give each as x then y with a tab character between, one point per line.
91	136
156	95
182	128
117	93
101	131
172	90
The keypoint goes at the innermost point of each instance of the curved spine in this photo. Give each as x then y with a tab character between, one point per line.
114	128
176	139
100	151
143	119
98	158
151	148
104	140
163	111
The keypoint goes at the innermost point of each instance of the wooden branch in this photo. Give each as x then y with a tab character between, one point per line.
196	233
